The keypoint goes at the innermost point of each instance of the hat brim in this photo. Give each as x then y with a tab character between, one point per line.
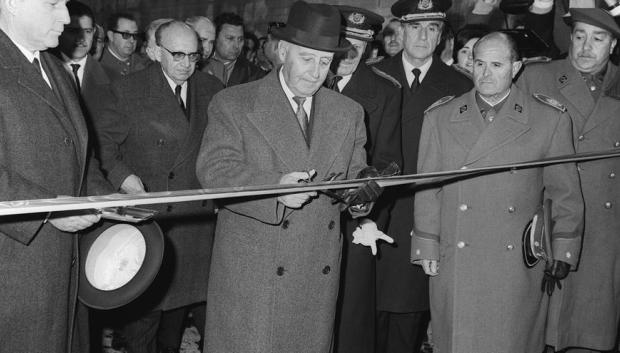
106	300
592	17
299	37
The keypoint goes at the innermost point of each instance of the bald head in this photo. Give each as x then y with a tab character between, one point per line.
502	40
206	32
177	50
150	36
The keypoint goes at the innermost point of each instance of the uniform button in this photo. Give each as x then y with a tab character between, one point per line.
612	175
463	207
568	255
285	224
280	271
326	269
169	208
161	142
171	175
460	244
608	205
510	247
580	137
67	141
331	225
464	167
617	144
511	209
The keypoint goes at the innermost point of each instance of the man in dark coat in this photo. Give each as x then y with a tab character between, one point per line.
149	137
379	95
227	63
586	312
43	154
402	289
276	260
119	57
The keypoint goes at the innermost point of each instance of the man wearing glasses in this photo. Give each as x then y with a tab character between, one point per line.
119	58
149	136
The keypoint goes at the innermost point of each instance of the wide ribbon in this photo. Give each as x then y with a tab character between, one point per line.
121	200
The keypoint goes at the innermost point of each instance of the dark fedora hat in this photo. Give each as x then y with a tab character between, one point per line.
118	262
314	26
596	17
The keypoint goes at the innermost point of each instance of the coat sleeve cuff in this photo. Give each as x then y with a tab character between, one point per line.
566	248
424	246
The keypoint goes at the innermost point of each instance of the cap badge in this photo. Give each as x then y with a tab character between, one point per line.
357	18
425	5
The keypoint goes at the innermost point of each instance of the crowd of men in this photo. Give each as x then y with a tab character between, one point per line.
356	270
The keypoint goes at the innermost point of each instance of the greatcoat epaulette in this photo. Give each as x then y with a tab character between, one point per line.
535	60
439	102
375	60
550	102
386	76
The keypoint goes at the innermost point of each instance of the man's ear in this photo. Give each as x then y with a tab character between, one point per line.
613	46
10	5
109	34
156	52
516	66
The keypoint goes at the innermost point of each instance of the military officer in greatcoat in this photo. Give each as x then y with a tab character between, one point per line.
468	232
584	313
379	95
402	289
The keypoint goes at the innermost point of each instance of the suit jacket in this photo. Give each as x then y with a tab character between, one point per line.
143	131
380	99
474	226
115	68
43	153
402	287
576	320
274	275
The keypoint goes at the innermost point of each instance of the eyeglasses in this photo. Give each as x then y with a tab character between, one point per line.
179	55
127	35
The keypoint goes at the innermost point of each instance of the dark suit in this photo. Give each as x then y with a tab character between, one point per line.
380	99
143	131
116	69
243	71
43	153
402	287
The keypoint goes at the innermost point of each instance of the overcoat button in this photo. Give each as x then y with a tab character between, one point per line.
331	225
511	209
617	144
612	175
460	244
580	137
169	208
161	142
608	205
463	207
67	141
326	269
510	247
171	175
280	271
285	224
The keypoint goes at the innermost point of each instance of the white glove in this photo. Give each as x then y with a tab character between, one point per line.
367	234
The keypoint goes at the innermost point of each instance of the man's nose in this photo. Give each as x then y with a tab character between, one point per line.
423	34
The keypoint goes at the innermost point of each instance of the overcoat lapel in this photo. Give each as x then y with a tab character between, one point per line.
466	126
197	122
275	119
605	106
328	134
511	123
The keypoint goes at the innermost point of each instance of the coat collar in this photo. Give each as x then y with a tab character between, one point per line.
479	139
275	119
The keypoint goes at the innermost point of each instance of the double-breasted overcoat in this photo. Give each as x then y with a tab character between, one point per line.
143	131
43	154
484	298
586	312
274	274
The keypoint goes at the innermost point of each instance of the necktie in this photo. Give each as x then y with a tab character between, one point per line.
302	118
416	79
334	83
177	93
75	68
489	115
37	66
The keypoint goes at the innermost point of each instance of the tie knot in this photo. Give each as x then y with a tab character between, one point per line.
177	90
416	72
75	67
299	100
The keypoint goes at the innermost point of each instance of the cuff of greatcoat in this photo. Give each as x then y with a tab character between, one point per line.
424	246
566	247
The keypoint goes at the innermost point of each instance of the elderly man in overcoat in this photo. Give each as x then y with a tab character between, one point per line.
468	232
276	261
586	312
402	289
43	154
149	137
